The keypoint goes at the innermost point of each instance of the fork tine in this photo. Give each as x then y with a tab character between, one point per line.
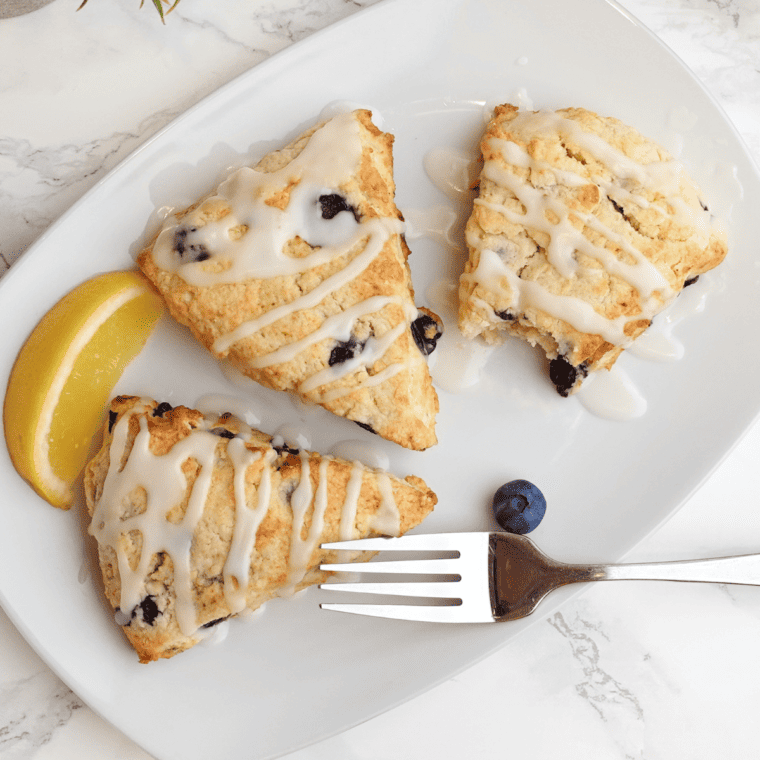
415	542
406	566
434	590
471	567
426	614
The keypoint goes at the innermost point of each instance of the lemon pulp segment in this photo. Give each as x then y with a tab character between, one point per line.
64	375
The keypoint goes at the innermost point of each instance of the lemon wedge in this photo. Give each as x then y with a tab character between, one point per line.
65	373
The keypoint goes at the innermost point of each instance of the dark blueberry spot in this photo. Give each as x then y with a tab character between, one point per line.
162	409
426	332
194	251
288	489
149	609
180	238
617	206
222	432
345	351
691	281
564	375
212	623
366	427
704	205
286	450
507	316
111	420
333	204
519	506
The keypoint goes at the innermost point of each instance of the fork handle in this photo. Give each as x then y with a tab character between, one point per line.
742	569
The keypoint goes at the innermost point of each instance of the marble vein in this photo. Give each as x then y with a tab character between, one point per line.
253	54
300	18
612	700
31	710
39	183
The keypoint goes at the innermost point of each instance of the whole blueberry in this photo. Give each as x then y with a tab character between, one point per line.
519	506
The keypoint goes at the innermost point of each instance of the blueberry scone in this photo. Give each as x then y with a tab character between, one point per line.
201	518
582	231
296	272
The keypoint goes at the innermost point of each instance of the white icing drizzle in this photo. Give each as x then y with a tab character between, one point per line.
295	436
300	501
243	410
387	519
120	617
367	453
571	309
659	343
238	564
452	171
379	229
165	486
373	350
457	362
438	222
83	576
347	527
302	549
328	160
337	107
338	327
216	634
565	238
325	397
667	177
522	99
348	511
249	241
612	395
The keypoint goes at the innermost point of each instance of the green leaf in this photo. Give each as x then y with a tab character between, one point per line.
156	3
160	10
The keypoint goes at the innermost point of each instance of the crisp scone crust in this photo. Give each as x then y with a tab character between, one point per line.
582	231
351	315
144	441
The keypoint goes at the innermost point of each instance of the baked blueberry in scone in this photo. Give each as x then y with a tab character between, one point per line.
582	231
199	518
296	271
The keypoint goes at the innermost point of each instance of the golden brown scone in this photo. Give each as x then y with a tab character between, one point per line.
582	231
198	519
296	271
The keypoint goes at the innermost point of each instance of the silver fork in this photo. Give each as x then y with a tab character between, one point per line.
498	576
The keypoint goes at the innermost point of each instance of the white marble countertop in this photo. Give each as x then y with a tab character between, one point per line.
642	671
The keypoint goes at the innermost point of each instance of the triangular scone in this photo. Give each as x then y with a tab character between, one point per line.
296	271
582	231
198	519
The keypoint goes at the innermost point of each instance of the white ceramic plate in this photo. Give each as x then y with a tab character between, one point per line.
294	674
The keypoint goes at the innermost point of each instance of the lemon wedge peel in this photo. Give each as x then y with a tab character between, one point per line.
83	337
62	379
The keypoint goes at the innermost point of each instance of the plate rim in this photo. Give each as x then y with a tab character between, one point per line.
314	39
